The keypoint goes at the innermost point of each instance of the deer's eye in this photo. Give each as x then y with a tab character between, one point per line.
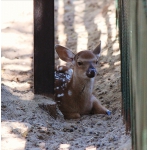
80	63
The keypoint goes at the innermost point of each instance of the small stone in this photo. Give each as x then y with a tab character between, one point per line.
40	137
75	128
24	134
96	133
16	131
99	123
41	145
54	132
71	130
3	106
98	145
115	138
83	130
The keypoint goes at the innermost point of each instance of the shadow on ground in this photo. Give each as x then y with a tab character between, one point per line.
79	25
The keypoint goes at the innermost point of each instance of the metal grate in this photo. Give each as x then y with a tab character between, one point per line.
132	18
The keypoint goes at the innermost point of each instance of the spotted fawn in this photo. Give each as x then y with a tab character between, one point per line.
73	87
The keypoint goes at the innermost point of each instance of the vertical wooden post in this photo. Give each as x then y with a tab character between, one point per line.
44	47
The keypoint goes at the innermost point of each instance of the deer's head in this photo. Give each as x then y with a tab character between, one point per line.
84	62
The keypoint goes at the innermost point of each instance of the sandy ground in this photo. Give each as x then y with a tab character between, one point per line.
79	25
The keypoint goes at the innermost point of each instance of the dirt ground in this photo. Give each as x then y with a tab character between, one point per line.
79	25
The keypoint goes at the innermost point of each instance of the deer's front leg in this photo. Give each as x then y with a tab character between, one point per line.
98	108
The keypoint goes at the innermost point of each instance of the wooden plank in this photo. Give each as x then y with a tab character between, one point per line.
44	47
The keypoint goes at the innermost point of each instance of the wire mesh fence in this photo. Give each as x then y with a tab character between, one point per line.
132	21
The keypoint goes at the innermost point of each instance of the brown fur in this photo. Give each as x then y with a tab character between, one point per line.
75	98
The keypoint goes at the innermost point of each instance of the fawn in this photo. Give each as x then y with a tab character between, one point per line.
73	88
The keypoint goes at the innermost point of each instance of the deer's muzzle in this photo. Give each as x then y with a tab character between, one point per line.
91	72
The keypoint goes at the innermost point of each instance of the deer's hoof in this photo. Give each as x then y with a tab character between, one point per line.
108	112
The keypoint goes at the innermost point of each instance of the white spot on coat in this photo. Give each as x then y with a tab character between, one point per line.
60	68
68	77
60	95
69	72
65	84
69	93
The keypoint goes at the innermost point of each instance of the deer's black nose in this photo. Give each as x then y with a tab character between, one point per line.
91	72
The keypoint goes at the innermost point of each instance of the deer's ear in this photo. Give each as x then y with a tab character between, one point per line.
64	53
97	50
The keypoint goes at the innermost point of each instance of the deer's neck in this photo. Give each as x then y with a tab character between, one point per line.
82	86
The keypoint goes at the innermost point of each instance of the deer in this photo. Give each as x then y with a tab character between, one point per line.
74	87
